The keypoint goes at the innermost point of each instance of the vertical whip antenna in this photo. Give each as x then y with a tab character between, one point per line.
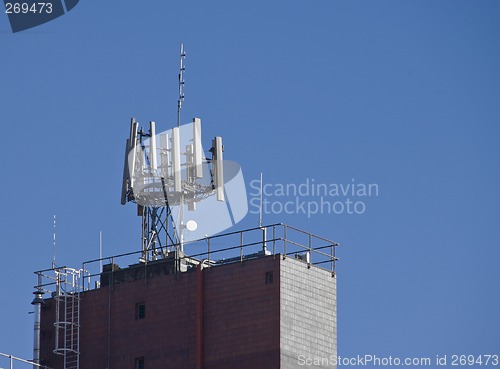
100	251
181	85
260	205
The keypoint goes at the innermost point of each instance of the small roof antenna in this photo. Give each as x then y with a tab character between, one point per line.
181	85
260	204
100	251
54	246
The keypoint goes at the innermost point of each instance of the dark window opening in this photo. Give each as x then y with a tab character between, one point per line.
139	363
140	310
269	277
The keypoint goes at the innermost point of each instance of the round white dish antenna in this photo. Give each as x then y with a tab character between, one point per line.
191	225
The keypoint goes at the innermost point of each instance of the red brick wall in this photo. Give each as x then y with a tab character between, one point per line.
242	315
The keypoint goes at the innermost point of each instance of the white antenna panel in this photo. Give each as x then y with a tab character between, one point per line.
152	146
126	175
165	154
134	127
219	169
176	158
190	162
197	149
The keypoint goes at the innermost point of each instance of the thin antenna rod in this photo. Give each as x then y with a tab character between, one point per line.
100	251
181	85
54	245
260	206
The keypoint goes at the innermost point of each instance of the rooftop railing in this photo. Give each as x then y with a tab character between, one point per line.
276	239
8	361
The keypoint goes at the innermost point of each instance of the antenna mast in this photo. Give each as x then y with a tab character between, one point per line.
54	245
100	251
181	85
165	180
260	205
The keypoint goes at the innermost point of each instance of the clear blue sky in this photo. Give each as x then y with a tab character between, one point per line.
403	94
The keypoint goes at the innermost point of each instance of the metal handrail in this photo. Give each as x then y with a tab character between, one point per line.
12	358
280	233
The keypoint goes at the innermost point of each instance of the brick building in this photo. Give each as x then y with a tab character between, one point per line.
266	309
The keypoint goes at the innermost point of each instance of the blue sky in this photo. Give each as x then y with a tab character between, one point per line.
401	93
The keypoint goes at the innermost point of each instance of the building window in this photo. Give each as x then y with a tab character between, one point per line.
139	363
269	277
140	310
